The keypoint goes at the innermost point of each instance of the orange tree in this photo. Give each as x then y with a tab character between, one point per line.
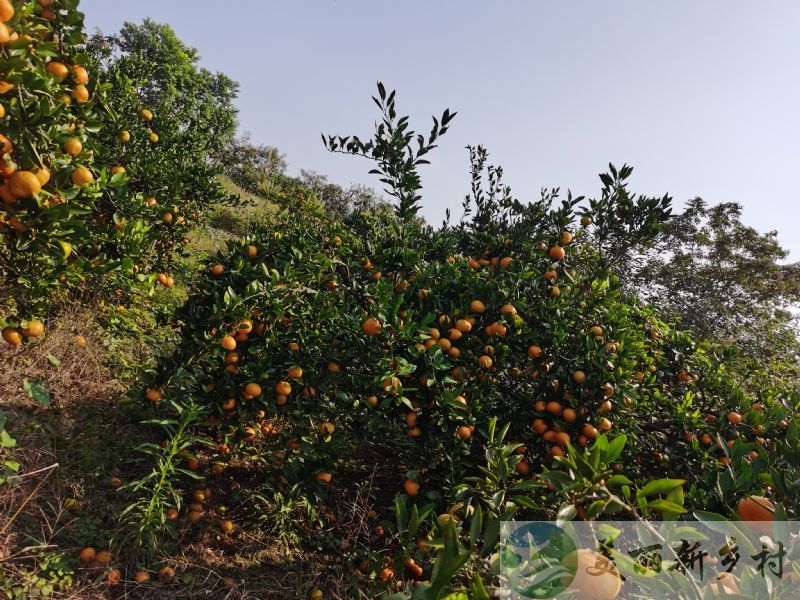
90	188
51	184
185	112
471	366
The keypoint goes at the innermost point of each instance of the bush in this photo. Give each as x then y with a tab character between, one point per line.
469	367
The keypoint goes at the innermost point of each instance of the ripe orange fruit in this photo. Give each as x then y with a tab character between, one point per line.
371	327
595	577
228	343
146	114
153	137
171	514
505	261
463	326
87	555
555	408
114	577
562	439
124	136
566	237
80	94
508	309
217	270
484	362
757	511
227	526
24	184
454	334
6	147
166	574
283	388
477	306
555	292
497	329
103	557
57	69
391	385
372	401
323	477
386	574
141	577
589	431
79	74
557	253
153	395
252	389
534	352
327	428
569	415
82	176
35	328
194	516
604	425
333	367
411	487
294	373
539	426
734	418
523	467
444	344
464	432
72	146
6	10
578	377
42	174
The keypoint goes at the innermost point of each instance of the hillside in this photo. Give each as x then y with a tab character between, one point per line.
220	381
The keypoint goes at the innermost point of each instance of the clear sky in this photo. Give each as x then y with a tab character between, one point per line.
702	98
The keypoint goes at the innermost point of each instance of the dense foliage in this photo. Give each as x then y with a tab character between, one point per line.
470	367
103	176
567	358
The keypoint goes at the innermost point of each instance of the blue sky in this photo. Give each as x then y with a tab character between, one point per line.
702	98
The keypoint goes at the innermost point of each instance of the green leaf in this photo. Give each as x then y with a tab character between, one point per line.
37	391
615	448
54	360
478	589
475	525
676	497
659	486
665	506
401	513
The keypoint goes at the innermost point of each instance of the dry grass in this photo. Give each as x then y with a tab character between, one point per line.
71	373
